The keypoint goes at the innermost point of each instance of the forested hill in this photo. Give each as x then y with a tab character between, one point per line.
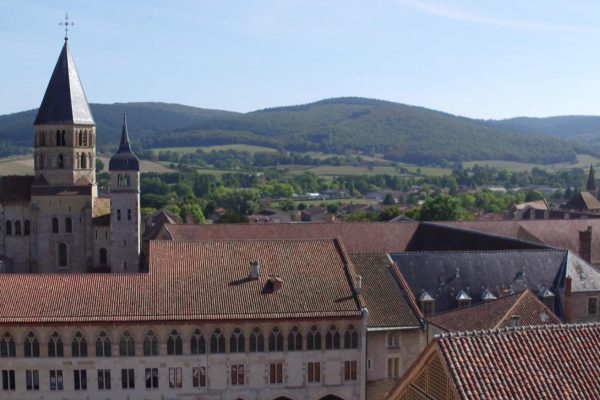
401	132
582	128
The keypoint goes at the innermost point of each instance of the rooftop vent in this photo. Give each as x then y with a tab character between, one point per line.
276	282
254	269
358	286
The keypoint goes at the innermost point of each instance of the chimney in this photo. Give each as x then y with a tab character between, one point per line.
254	269
358	286
585	244
568	299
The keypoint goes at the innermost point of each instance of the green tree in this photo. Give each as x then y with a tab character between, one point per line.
532	195
389	213
194	210
441	208
99	165
388	200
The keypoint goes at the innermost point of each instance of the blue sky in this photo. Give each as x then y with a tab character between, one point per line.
484	59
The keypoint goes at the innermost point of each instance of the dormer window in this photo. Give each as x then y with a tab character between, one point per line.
463	299
487	296
547	297
427	303
515	321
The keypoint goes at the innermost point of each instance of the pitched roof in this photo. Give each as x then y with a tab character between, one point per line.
124	159
15	189
563	234
386	297
64	101
582	201
548	362
195	281
361	237
497	314
444	274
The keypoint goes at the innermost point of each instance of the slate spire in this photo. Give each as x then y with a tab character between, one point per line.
64	102
124	145
591	182
124	159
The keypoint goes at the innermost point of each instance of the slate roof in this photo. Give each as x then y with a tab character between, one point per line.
196	281
124	159
582	201
497	314
386	296
15	189
64	101
444	274
548	362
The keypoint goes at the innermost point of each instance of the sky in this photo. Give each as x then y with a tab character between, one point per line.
481	59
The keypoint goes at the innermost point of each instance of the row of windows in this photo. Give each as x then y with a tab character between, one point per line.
82	138
237	377
197	343
82	161
68	225
129	214
24	229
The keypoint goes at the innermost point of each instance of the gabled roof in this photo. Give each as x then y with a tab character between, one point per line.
496	314
64	101
15	189
385	294
195	281
582	201
124	159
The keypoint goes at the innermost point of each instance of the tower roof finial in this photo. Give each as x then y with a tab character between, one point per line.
66	24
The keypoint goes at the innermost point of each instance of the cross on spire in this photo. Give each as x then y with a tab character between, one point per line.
66	24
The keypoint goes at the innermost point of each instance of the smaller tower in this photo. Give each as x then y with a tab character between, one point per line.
124	169
591	183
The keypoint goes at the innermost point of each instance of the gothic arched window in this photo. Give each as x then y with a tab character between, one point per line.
31	346
54	225
313	339
351	338
55	345
7	346
237	343
103	256
276	340
18	228
103	345
79	345
295	340
150	344
257	341
126	345
8	228
174	343
217	342
83	162
332	339
27	228
62	255
197	343
68	225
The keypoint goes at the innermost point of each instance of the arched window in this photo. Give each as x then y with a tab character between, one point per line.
123	180
174	343
351	338
295	340
83	162
62	255
237	343
103	345
55	345
103	256
54	225
18	228
217	342
150	344
332	339
68	225
257	341
27	228
61	161
31	346
58	141
7	346
313	339
79	345
276	340
8	228
197	343
126	345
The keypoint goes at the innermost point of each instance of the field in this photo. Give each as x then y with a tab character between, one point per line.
238	147
583	161
331	170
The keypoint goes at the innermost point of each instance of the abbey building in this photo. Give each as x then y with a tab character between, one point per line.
54	221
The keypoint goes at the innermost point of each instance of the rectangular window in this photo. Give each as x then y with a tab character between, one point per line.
592	305
8	379
199	376
275	373
393	367
314	372
118	214
350	370
129	214
175	380
56	379
237	374
32	379
104	379
151	376
80	379
127	379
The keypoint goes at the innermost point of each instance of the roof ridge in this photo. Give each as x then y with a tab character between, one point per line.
513	329
538	250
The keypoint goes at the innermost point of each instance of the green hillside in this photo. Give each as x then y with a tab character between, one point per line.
401	132
582	128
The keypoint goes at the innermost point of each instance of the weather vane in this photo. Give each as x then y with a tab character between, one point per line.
66	24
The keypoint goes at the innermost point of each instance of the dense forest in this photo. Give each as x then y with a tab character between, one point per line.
400	132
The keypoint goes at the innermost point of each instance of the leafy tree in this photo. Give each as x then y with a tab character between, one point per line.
389	213
333	208
389	200
532	195
194	210
99	165
441	208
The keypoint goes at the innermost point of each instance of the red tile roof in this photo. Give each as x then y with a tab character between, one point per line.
497	314
194	281
549	362
367	237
